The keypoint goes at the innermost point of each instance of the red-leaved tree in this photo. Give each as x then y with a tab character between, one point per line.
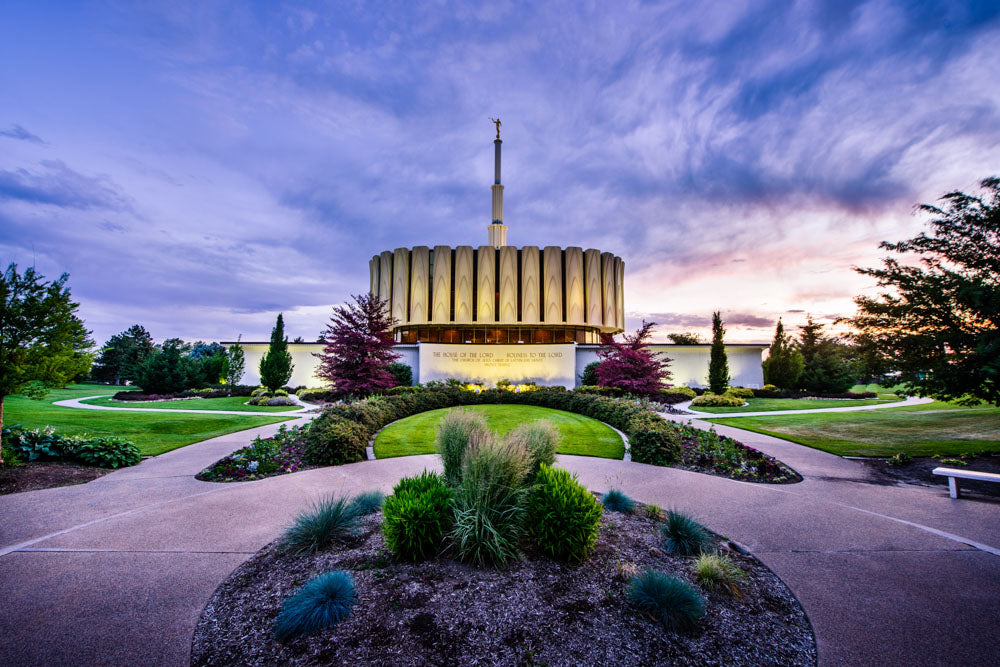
358	350
631	365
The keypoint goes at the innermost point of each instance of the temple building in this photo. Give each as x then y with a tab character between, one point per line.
500	312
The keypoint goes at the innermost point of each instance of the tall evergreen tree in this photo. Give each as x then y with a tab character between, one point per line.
122	355
235	363
938	319
631	365
358	347
784	363
166	371
718	364
825	369
276	364
43	343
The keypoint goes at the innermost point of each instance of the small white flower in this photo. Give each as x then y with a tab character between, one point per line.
253	465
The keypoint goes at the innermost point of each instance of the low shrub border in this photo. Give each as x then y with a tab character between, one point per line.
339	435
44	444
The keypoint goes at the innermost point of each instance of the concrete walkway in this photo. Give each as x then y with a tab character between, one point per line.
78	403
117	571
911	400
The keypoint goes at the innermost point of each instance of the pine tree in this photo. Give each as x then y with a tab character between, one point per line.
358	347
718	364
122	355
276	364
784	363
825	370
235	363
631	365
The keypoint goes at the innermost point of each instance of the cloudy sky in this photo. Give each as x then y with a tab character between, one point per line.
199	166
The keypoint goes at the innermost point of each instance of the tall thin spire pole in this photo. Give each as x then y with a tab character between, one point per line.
497	230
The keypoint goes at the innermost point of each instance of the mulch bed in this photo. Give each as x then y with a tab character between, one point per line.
45	475
919	470
538	611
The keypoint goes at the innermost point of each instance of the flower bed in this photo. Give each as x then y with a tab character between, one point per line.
536	611
264	457
707	451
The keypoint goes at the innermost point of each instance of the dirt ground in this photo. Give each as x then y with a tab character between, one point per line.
45	475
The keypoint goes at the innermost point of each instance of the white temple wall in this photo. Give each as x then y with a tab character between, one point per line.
688	365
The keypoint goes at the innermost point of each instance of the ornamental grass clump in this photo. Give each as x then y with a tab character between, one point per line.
417	516
563	515
616	501
671	601
368	502
452	440
684	536
490	500
540	440
330	520
325	600
715	572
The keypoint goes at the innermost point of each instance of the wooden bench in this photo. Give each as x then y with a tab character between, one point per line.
954	473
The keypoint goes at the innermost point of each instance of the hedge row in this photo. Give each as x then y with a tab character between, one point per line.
784	393
340	434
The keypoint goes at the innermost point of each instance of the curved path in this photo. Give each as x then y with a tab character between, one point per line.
78	403
117	571
911	400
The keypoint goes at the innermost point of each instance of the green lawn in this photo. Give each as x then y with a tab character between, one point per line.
771	404
580	435
152	433
231	403
919	430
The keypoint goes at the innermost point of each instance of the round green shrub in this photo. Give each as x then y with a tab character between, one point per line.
258	391
417	516
563	515
102	452
681	391
331	440
652	440
280	392
740	392
710	400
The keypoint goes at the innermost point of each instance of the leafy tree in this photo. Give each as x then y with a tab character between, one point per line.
235	364
122	355
825	368
589	377
166	371
684	338
358	347
43	343
718	364
784	363
276	364
938	319
402	373
202	350
631	365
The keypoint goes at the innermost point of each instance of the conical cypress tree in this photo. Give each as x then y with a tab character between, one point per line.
276	364
718	365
